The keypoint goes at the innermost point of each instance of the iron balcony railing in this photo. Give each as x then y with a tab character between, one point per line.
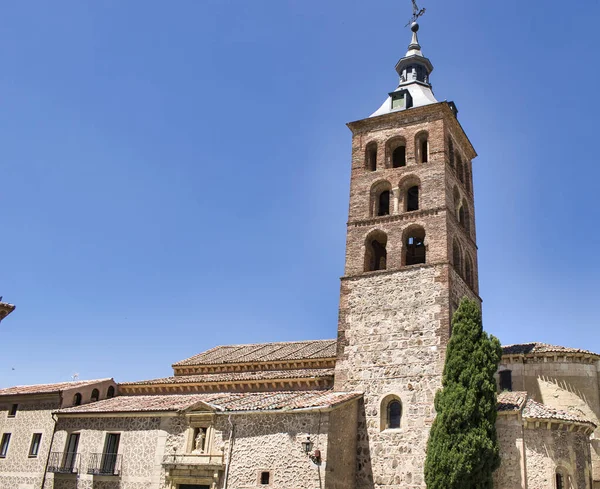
104	464
64	462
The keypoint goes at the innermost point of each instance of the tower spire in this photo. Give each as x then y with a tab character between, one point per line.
414	69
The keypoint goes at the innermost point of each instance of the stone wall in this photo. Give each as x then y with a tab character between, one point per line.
273	442
390	343
510	474
18	470
569	383
341	447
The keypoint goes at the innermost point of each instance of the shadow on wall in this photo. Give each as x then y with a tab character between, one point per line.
364	469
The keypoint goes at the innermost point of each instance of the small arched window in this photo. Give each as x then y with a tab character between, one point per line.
383	205
399	157
371	157
560	481
451	152
414	244
469	271
459	169
95	395
77	399
110	392
412	199
376	252
456	258
422	147
394	414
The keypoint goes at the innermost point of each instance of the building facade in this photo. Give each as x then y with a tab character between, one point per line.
350	413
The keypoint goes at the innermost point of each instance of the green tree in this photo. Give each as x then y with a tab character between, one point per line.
462	450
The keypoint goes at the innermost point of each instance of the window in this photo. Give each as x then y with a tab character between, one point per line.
424	151
95	395
451	152
412	199
469	271
13	411
399	157
375	252
70	456
110	392
77	399
383	207
394	413
456	258
371	157
459	169
398	101
422	147
560	482
505	380
4	445
34	448
265	478
465	216
415	246
110	454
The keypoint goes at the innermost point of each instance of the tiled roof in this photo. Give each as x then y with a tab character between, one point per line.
47	388
238	377
511	401
535	347
225	402
535	410
263	352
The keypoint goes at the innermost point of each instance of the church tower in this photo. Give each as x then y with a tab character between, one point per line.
411	255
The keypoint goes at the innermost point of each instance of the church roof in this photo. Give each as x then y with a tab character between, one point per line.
536	410
263	352
536	347
47	388
511	401
237	377
222	402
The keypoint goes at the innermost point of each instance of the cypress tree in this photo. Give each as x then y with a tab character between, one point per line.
462	450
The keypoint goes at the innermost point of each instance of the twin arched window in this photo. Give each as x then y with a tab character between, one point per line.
383	198
414	251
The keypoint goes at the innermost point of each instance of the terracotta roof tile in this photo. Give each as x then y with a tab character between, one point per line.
225	402
47	388
511	401
536	410
536	347
238	377
263	352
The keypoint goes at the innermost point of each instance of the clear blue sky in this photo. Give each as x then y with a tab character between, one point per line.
175	174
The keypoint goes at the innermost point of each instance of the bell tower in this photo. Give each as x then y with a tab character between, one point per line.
411	255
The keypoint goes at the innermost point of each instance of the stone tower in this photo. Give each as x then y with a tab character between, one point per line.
411	255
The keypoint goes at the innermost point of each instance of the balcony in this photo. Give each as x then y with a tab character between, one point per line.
193	468
193	460
64	462
105	464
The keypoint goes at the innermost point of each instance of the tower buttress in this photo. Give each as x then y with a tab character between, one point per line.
411	255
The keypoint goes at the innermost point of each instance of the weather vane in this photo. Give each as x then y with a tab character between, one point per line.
416	13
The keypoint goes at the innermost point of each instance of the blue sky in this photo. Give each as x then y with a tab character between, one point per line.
175	174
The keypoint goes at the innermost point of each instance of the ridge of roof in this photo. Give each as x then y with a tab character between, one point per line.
539	347
48	388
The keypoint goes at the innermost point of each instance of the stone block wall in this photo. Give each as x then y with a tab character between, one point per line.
511	473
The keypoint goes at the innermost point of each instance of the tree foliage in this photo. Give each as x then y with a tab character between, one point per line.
462	450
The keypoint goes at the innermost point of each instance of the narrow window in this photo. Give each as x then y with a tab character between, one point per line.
451	152
394	413
13	411
412	199
4	445
371	157
383	208
379	256
560	483
95	395
375	251
399	157
34	448
415	247
424	151
110	392
461	215
459	169
506	380
77	399
70	456
469	271
108	464
456	258
265	478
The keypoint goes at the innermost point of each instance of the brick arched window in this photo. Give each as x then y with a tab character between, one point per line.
371	156
422	147
414	246
375	251
412	199
383	206
381	199
456	258
409	191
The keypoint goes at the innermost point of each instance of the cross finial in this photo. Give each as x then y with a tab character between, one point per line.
416	13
